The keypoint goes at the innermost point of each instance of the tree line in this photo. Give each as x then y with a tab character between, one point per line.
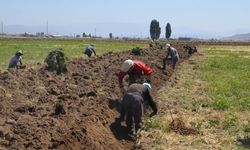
155	30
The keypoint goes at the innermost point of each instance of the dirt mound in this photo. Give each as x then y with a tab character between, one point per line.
43	110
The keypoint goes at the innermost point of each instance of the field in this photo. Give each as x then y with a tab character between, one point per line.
36	50
211	95
205	105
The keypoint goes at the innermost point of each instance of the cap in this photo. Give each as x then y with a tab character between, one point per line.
147	85
127	64
19	52
167	45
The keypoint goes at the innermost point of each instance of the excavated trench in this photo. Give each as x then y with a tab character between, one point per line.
76	110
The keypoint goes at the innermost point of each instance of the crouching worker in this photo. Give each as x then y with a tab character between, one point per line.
190	50
134	103
15	60
138	72
89	50
174	56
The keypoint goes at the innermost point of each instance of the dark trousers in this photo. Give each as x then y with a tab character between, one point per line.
88	52
174	61
133	107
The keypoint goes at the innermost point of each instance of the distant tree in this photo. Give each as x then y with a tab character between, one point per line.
84	34
78	36
110	36
89	35
168	31
155	29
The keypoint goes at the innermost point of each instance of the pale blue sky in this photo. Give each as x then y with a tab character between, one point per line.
187	17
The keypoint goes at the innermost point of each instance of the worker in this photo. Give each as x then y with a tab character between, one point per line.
15	60
89	50
190	49
195	50
134	104
173	53
138	72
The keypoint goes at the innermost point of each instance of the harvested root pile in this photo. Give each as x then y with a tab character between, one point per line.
56	61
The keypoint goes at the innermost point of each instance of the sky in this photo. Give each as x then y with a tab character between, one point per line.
196	18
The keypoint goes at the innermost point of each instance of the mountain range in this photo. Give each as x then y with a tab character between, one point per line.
121	30
103	29
238	37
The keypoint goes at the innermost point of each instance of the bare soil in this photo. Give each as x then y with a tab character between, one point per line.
77	110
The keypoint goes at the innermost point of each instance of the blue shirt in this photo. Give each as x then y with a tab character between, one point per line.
14	60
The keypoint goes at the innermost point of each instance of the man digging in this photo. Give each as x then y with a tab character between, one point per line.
134	103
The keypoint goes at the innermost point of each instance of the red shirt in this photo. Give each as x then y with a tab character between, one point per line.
138	68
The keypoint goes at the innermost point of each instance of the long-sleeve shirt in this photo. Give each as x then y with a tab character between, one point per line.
173	53
146	95
139	68
89	50
14	60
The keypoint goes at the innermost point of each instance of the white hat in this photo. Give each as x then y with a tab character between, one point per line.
127	64
167	45
147	85
19	52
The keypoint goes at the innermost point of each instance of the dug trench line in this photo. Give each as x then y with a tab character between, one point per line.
76	110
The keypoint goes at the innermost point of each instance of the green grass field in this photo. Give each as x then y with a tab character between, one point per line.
227	76
211	95
226	71
36	50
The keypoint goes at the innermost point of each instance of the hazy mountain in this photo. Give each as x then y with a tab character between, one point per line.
19	29
96	29
238	37
103	29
